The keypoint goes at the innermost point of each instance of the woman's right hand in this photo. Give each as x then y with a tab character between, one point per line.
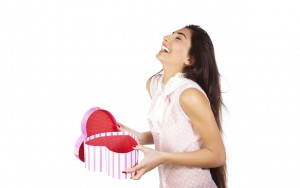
144	138
124	128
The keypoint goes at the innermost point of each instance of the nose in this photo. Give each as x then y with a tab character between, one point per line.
167	38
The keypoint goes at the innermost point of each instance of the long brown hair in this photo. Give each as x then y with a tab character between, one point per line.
204	71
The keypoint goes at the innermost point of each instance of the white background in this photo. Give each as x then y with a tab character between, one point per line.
58	58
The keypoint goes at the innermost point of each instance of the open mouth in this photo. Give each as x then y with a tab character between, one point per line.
164	49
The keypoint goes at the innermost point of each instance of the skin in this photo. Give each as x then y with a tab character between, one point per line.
196	106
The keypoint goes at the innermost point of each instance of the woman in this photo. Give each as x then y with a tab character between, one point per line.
184	116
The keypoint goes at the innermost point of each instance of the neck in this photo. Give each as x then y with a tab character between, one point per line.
168	75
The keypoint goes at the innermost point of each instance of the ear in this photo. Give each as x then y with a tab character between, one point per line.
188	62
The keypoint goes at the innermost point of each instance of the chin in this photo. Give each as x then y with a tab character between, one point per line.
160	57
160	60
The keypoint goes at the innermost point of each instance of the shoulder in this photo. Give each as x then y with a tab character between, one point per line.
191	92
152	83
192	101
148	83
192	96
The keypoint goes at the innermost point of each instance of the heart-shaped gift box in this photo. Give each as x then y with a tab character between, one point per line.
102	147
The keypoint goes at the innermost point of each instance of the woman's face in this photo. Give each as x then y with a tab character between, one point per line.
175	48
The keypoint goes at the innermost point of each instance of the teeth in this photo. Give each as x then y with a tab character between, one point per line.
165	49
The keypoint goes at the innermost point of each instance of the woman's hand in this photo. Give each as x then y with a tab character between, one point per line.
123	128
152	158
144	138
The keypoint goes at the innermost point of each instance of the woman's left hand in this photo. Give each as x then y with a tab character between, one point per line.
152	158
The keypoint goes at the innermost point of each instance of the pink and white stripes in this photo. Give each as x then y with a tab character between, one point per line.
99	158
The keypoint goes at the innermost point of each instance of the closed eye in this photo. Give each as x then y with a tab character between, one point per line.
180	34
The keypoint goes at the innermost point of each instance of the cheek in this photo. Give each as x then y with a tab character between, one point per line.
180	51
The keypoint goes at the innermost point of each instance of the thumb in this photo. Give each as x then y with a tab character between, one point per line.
141	148
121	127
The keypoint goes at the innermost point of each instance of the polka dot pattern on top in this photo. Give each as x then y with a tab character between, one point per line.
173	132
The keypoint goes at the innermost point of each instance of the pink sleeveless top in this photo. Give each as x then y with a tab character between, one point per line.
172	132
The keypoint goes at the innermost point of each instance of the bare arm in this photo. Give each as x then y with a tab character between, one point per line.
196	106
148	86
145	137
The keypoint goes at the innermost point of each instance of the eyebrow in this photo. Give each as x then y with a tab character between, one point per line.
180	34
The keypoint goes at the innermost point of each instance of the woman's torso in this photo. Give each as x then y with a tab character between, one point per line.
172	132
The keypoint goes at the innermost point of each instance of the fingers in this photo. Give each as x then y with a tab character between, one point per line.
138	175
135	168
149	162
142	148
122	127
138	169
